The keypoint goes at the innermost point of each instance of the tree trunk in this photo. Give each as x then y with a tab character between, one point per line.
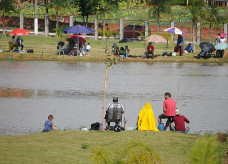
83	20
104	25
210	32
103	107
57	20
3	22
87	19
158	20
193	37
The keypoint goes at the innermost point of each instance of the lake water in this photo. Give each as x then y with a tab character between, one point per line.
73	93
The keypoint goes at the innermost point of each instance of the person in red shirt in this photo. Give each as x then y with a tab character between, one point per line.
150	50
169	109
179	122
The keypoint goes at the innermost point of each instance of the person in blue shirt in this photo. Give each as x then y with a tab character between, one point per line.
189	48
180	43
49	125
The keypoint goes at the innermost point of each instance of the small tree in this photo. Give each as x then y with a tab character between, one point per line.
6	6
195	10
160	7
109	62
210	14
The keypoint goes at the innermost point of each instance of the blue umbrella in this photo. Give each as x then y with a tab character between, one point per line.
78	30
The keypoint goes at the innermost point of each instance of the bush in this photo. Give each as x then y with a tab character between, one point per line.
205	151
59	31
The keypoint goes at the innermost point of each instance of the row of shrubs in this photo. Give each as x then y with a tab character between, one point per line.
108	33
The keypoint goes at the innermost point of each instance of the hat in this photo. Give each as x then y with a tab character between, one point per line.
115	99
177	111
223	35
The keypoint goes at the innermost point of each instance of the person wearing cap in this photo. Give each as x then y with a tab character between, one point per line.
179	121
169	107
115	49
189	48
20	42
222	38
114	112
150	50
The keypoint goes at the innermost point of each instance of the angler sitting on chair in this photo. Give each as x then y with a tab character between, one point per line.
114	112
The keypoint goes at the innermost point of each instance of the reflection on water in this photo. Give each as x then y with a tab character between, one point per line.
73	92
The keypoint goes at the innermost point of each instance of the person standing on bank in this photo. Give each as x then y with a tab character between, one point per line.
169	109
180	43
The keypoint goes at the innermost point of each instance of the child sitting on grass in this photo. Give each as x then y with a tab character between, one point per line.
49	125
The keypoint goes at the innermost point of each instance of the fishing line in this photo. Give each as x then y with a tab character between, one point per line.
178	88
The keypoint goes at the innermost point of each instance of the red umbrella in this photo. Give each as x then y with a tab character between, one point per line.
19	32
77	39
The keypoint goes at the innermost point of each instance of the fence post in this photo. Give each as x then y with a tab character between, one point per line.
21	20
121	29
146	28
71	21
225	29
36	19
198	35
96	29
172	26
46	24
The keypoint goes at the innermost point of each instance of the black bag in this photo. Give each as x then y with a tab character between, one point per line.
95	126
30	51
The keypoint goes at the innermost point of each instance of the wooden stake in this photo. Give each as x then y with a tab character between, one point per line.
103	107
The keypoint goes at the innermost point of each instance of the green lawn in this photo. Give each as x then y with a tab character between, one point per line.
66	146
45	49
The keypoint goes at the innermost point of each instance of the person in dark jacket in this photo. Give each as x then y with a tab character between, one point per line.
180	43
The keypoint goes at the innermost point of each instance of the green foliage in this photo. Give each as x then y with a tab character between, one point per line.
107	33
100	156
85	146
134	151
7	6
196	10
59	30
204	151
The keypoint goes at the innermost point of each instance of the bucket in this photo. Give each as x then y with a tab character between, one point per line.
161	127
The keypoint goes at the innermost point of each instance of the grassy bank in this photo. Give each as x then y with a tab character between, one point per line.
79	146
45	50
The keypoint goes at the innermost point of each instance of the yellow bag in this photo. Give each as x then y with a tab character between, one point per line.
146	119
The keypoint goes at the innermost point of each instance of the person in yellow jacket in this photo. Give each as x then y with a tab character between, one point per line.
146	119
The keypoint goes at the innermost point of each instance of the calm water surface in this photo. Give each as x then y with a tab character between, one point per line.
73	93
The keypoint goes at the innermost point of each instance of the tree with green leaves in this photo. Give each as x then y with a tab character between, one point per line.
160	7
86	8
210	13
196	10
6	6
59	6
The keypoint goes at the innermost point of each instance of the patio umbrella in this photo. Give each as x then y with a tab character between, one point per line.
78	30
207	47
156	39
76	39
221	46
125	40
19	32
175	30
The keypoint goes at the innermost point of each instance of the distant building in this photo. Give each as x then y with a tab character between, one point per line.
218	2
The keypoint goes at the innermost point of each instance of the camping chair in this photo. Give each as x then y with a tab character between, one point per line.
112	117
